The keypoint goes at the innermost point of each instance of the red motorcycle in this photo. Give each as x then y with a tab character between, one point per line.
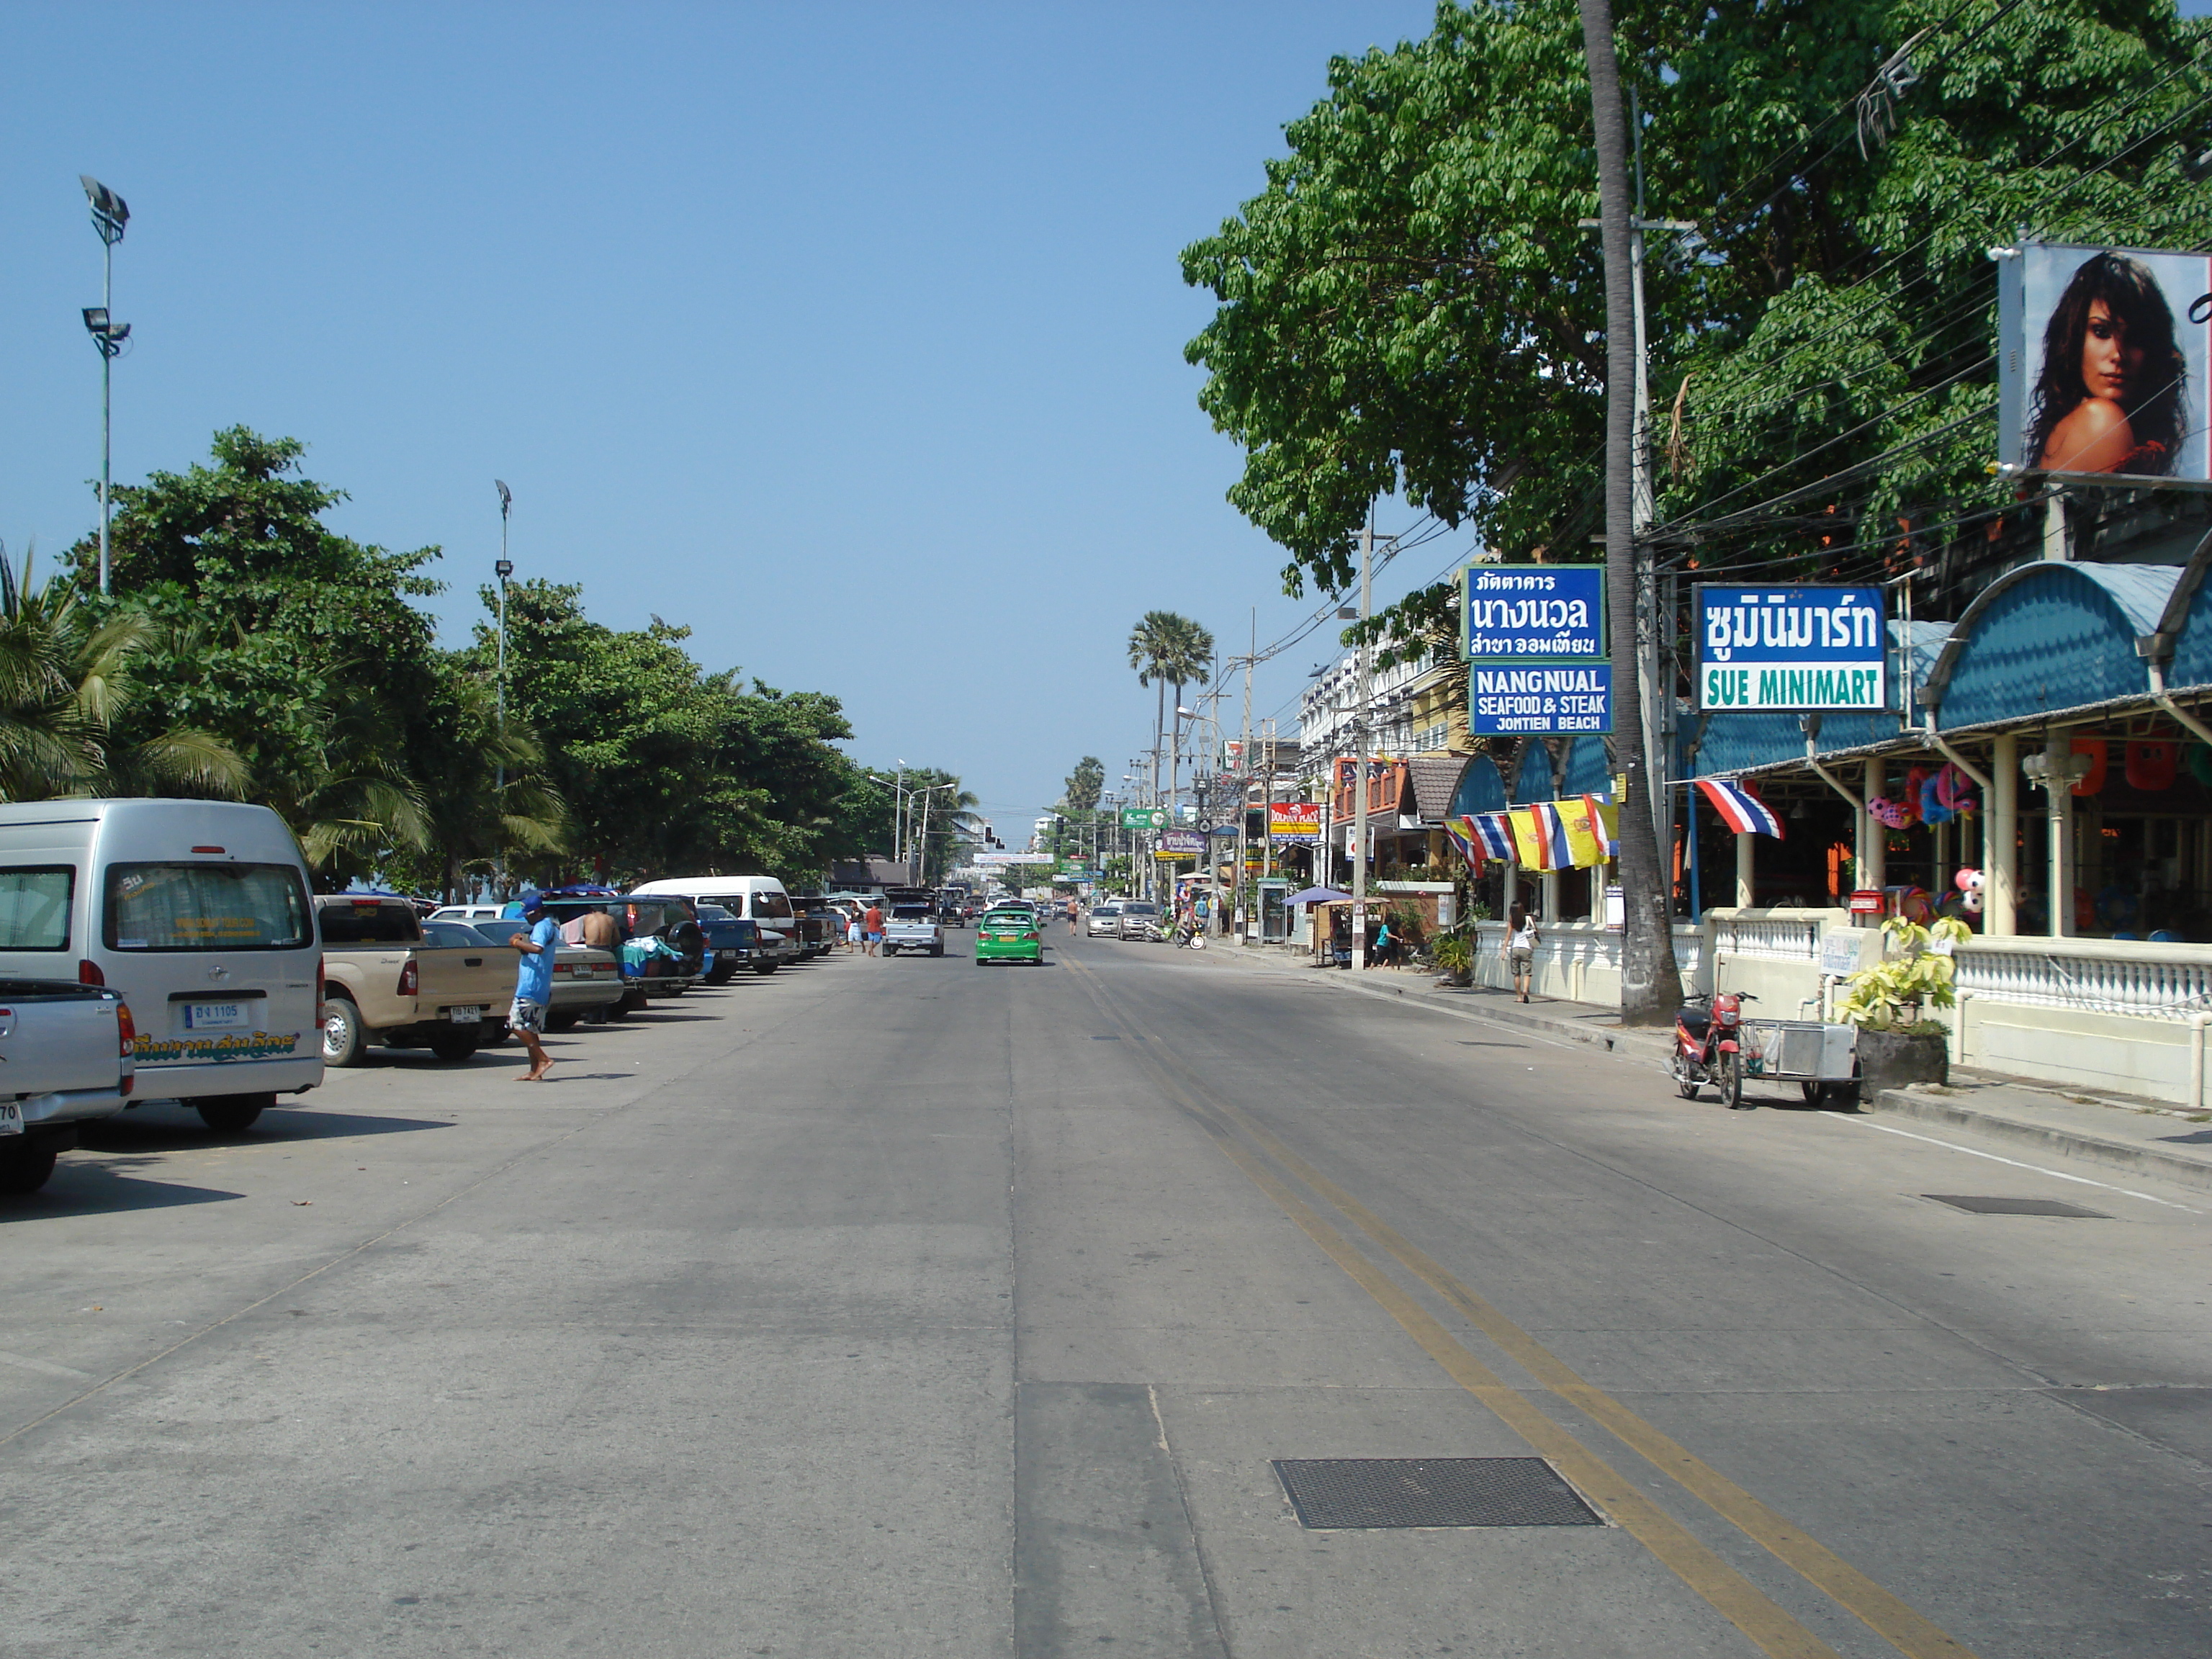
1708	1046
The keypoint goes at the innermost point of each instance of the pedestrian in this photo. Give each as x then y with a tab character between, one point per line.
1383	945
852	931
533	983
1071	915
872	929
1520	948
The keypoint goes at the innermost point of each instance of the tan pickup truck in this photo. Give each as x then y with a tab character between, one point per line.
383	982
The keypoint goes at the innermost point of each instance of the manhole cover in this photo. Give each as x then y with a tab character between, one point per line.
1430	1491
2017	1207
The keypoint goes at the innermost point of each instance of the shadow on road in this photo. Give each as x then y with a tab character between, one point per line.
167	1126
95	1186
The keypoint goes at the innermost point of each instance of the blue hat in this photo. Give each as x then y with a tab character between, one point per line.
530	899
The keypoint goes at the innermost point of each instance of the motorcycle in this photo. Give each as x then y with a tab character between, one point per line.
1709	1047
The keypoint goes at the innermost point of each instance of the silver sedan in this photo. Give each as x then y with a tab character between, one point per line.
1105	919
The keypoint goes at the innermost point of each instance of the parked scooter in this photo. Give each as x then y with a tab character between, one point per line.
1708	1046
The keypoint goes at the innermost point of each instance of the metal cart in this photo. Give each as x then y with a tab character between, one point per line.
1820	1058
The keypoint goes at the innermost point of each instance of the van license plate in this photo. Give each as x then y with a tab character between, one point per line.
464	1016
11	1118
217	1017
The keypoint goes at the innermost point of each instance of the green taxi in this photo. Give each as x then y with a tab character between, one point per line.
1009	935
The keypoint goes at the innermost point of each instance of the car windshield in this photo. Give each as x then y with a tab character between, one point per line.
449	935
715	913
1140	909
1009	919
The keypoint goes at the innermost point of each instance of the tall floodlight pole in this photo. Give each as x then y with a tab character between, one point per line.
1650	982
109	215
504	568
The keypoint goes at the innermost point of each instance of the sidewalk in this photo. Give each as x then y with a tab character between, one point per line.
2118	1133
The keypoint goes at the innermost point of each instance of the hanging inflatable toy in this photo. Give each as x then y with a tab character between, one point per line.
1895	814
2200	763
2151	765
1955	790
1932	808
2094	749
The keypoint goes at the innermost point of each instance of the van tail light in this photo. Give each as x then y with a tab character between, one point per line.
322	983
87	973
126	1029
410	980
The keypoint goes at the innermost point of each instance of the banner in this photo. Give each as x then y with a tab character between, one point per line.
2104	362
1791	647
1000	861
1295	823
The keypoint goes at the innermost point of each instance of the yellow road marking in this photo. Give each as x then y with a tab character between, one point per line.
1897	1623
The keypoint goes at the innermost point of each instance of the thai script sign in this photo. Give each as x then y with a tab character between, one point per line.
1001	861
1181	843
1295	823
236	1045
1520	612
1791	648
1505	701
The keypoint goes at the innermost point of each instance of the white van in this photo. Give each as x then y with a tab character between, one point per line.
195	911
757	899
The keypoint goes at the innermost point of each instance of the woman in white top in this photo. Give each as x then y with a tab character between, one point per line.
1520	947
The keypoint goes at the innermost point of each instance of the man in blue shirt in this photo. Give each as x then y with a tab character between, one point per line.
533	983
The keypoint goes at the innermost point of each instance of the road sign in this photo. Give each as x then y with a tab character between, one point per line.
1144	817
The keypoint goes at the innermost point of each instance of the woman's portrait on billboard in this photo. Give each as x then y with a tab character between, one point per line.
2110	396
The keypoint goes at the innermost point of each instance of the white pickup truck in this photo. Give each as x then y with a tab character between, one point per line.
913	927
65	1057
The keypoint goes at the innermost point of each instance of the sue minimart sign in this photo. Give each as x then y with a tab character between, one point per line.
1791	648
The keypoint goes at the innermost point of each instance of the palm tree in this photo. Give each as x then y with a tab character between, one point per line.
1168	649
64	685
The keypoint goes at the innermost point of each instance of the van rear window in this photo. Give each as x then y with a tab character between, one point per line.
206	907
770	907
34	907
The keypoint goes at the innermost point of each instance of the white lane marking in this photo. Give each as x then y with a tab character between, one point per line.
1971	1152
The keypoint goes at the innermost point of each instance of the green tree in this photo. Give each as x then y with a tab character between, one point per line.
292	647
1084	786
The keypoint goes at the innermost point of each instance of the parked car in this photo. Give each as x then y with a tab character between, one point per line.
1009	935
386	981
821	925
195	913
68	1051
733	941
586	980
468	913
913	927
667	969
758	899
1137	919
1105	919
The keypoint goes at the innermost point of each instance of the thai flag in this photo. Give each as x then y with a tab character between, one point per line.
1740	810
1497	836
1462	831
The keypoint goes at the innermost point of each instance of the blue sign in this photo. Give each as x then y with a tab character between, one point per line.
1531	612
1504	701
1791	647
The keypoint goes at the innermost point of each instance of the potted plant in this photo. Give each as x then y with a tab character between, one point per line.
1896	1046
1453	953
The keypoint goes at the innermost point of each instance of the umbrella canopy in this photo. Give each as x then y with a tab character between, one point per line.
1318	895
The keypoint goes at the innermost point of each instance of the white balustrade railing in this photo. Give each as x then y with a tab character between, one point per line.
1790	937
2108	977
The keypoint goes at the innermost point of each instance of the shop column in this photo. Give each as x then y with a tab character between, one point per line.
1746	867
2000	880
2058	792
1873	834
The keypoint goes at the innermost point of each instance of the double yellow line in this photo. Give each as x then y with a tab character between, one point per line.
1248	1145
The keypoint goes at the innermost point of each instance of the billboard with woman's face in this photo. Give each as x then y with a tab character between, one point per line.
2104	354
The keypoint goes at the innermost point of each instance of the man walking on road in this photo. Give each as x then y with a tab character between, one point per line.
533	983
872	929
1071	915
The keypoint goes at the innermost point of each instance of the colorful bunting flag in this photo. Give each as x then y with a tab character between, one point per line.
1493	830
1740	810
1462	833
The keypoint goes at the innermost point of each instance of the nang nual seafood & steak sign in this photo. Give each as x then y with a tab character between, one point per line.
1504	701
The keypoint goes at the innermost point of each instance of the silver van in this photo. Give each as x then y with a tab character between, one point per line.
197	913
757	899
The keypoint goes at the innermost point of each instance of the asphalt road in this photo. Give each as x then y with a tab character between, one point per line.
891	1308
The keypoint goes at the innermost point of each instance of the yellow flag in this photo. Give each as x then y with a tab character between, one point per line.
1585	847
1528	840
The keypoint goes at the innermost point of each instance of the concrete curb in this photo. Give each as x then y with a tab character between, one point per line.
2072	1143
1629	1045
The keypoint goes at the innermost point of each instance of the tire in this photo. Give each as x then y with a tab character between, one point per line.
454	1047
563	1019
937	950
890	950
345	1039
231	1115
25	1166
1685	1082
722	975
1730	1079
765	969
982	962
631	1001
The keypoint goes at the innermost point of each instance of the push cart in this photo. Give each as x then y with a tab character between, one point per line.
1820	1059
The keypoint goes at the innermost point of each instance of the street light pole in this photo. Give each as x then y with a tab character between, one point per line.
109	215
1360	761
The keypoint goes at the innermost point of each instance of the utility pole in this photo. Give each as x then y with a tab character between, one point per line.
1360	761
1244	777
1650	982
504	570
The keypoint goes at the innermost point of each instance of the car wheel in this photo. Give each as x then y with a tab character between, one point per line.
230	1114
765	969
937	950
345	1037
722	975
25	1166
563	1020
454	1046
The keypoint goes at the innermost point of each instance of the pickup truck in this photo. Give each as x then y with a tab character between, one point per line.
913	927
733	941
65	1057
384	982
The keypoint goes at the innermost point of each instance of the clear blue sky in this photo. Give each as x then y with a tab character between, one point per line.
850	337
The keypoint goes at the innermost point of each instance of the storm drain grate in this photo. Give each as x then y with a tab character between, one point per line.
2017	1207
1430	1491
